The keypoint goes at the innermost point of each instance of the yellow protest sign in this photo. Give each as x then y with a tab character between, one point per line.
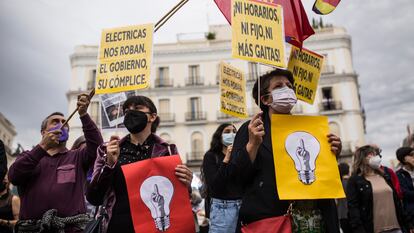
233	91
257	32
305	166
306	67
124	59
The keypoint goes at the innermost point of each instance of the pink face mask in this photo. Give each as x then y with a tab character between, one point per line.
284	99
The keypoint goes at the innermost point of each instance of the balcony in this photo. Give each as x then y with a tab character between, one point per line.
165	82
330	107
194	81
167	119
195	159
328	69
195	117
223	117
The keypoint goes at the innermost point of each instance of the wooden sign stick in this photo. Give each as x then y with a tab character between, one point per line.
91	94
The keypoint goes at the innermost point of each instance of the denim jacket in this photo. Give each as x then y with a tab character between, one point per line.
101	192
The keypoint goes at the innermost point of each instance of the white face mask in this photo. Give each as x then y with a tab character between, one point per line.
374	162
284	99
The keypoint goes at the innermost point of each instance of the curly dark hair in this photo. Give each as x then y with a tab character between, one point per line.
216	144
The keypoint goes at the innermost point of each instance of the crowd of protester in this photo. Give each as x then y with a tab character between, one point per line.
62	190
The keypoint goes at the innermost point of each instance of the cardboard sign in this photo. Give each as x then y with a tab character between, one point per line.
305	166
124	59
306	67
112	114
159	202
257	32
233	91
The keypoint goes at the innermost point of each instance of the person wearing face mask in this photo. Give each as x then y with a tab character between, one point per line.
108	186
406	177
373	194
50	178
223	194
252	162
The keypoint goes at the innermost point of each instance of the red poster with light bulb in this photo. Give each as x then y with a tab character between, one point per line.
159	202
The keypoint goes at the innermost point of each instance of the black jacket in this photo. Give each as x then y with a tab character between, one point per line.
260	199
360	204
408	193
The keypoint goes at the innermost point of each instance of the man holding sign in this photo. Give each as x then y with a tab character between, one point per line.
141	208
253	161
51	178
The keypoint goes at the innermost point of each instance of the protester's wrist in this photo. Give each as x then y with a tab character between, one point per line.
81	114
251	147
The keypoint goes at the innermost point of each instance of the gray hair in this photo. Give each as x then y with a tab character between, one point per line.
44	122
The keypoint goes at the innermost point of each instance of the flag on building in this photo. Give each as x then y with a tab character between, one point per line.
324	7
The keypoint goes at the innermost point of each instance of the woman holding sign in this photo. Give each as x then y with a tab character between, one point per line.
108	186
252	161
223	194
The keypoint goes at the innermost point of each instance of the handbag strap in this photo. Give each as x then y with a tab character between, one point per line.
289	211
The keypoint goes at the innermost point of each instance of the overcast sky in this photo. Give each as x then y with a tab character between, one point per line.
38	36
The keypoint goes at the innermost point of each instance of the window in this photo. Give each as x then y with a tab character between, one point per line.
164	105
164	111
195	107
163	77
194	75
326	67
197	148
195	112
91	81
327	99
253	71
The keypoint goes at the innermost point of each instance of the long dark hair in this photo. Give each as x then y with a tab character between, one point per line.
216	144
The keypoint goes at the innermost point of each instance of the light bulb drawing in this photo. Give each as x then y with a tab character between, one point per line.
304	149
157	192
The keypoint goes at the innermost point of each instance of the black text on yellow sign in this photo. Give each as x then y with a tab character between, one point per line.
124	59
233	91
306	67
257	32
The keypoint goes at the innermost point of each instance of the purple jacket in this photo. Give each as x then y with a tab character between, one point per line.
101	191
55	182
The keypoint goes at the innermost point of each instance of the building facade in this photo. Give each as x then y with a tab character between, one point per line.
184	87
7	134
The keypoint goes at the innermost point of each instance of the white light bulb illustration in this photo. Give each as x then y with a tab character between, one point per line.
304	149
157	192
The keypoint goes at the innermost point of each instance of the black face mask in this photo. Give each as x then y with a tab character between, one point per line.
135	121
